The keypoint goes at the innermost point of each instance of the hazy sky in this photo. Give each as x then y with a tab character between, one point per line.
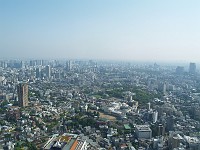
150	30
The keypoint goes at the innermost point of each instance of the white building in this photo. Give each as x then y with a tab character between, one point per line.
155	116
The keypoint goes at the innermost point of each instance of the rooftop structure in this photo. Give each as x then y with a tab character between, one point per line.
65	142
127	127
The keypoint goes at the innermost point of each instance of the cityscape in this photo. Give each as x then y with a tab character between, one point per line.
80	104
99	75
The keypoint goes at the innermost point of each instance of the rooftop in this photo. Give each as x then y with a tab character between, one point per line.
64	142
143	128
127	127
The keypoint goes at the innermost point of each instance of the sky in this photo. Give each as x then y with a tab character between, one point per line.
138	30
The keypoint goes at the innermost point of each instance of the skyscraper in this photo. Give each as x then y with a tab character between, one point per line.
68	65
48	71
38	72
22	91
192	68
22	64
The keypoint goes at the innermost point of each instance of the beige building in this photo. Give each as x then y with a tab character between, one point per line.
22	91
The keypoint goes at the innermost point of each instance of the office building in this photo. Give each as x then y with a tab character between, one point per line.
143	132
192	68
162	87
38	72
149	106
45	62
155	116
69	65
32	62
48	71
179	70
22	91
57	75
38	62
22	64
170	123
161	130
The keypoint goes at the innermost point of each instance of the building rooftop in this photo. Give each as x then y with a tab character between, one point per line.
127	127
143	128
64	142
191	139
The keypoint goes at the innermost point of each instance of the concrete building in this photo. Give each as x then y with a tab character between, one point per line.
179	70
170	123
22	91
66	142
192	68
143	132
69	65
155	116
149	106
38	73
22	64
48	71
161	130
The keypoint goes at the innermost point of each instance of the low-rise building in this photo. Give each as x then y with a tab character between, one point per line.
66	142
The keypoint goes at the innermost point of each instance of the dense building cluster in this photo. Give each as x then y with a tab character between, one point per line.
78	104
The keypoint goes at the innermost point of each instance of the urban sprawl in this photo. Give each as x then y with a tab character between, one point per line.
98	105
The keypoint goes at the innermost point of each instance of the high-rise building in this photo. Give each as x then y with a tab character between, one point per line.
38	72
155	116
162	87
22	64
32	62
192	68
161	130
149	106
38	62
22	91
179	70
69	65
57	75
48	71
170	123
45	62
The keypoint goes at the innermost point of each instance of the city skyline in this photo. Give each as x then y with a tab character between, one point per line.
117	30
